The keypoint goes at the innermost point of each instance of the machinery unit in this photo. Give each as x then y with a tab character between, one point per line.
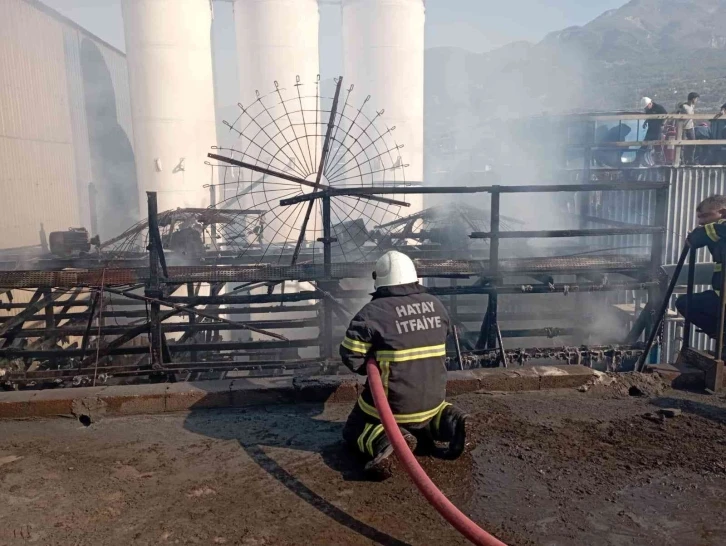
73	242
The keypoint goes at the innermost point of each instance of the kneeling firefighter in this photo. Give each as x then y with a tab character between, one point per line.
404	328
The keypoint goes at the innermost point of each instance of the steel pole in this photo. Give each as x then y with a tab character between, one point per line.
663	308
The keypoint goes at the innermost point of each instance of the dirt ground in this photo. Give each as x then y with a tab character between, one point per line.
550	468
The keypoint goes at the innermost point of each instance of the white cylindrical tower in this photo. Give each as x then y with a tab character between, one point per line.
277	40
277	43
383	56
172	97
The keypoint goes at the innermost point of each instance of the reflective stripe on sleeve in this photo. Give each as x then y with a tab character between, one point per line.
355	345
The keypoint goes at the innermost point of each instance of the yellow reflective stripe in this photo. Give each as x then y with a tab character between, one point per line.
385	374
362	437
375	434
405	355
356	346
711	232
403	417
437	419
717	268
405	352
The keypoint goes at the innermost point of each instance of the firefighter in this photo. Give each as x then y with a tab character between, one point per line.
703	309
404	328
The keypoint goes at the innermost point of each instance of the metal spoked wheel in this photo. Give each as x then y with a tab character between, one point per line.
290	143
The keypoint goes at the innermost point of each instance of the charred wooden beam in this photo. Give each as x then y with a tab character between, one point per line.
174	348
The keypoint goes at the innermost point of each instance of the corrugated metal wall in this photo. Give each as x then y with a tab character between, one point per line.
688	187
44	141
36	141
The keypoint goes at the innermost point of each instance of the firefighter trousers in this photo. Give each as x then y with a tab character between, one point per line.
702	311
365	433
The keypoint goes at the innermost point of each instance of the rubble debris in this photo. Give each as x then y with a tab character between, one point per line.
9	459
629	384
635	391
670	413
88	410
654	417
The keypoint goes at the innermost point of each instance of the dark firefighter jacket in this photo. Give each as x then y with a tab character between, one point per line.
710	235
405	329
655	126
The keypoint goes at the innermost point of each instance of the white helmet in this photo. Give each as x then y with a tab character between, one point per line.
394	268
645	102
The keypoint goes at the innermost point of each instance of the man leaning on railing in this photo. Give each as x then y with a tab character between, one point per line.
654	126
689	129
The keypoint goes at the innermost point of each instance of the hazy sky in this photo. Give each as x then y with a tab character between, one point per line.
476	25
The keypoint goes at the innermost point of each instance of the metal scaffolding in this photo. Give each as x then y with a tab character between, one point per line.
88	323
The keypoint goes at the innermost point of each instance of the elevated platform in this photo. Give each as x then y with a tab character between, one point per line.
69	278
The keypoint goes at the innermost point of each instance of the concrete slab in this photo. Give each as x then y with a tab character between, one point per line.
568	468
681	377
248	392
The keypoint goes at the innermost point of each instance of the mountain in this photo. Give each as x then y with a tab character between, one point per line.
663	49
659	48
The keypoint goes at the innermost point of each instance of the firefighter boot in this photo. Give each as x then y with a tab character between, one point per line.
452	428
382	466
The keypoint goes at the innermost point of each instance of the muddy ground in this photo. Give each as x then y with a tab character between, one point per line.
557	468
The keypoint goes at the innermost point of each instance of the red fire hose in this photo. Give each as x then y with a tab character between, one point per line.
436	498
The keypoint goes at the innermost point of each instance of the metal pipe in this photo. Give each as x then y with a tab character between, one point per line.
663	308
502	352
153	289
644	230
721	311
541	289
141	313
318	179
182	309
295	179
408	190
455	331
172	327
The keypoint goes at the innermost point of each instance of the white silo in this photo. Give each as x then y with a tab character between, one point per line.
277	40
277	44
383	56
172	97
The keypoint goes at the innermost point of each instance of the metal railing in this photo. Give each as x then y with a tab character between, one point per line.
490	333
711	365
